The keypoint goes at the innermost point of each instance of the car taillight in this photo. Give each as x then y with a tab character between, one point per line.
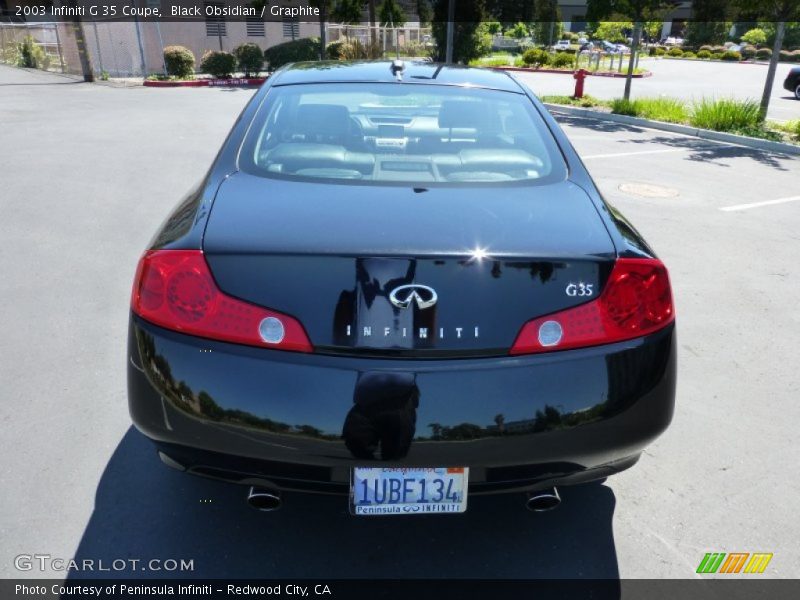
636	301
175	290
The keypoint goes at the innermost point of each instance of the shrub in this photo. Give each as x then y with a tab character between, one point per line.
670	110
725	114
785	56
796	56
354	49
704	54
689	55
563	59
535	57
717	55
719	49
675	52
495	61
293	51
661	51
333	51
732	55
179	62
31	55
413	49
586	102
748	52
755	36
763	54
249	57
707	48
218	63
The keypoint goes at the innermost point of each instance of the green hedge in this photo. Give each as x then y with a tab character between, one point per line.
535	57
179	62
218	63
731	55
294	51
563	59
704	54
748	52
333	51
250	58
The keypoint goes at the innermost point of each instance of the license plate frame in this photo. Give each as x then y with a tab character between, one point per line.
444	490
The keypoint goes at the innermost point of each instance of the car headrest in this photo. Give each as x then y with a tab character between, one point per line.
323	119
455	114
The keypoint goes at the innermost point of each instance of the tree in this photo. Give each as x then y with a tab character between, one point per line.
347	11
324	7
709	24
700	33
518	31
613	31
547	26
778	12
373	34
391	14
500	421
511	11
755	37
470	40
494	27
424	12
638	11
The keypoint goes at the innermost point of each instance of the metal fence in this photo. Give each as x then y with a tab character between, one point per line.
47	46
408	40
136	49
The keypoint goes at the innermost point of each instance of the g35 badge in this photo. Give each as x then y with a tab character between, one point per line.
580	289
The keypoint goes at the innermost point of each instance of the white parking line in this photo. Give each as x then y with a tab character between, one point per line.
757	204
662	151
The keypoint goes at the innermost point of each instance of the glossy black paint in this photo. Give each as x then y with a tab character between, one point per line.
302	421
510	259
792	82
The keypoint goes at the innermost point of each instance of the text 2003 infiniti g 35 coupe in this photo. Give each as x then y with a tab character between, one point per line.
398	282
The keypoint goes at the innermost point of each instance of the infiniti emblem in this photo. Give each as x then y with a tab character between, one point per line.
403	296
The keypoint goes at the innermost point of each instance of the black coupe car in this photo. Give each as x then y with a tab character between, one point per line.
398	282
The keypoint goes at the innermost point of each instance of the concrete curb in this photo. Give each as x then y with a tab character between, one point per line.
233	82
706	134
567	72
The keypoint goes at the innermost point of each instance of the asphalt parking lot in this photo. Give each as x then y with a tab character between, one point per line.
89	171
684	79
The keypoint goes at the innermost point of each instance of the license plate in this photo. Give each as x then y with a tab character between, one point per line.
401	491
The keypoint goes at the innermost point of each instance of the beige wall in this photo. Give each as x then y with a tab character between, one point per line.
114	46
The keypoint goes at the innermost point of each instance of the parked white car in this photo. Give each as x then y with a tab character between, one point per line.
561	45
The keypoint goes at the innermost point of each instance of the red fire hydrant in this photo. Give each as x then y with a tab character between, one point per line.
579	76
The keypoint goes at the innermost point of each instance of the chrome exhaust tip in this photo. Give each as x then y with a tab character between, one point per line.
264	499
543	500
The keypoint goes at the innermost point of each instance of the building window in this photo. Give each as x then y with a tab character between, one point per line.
291	28
215	26
255	27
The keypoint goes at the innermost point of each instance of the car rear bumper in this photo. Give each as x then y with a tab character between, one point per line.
302	421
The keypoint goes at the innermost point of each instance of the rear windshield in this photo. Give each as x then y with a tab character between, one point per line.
399	133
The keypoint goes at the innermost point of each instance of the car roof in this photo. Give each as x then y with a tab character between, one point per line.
415	71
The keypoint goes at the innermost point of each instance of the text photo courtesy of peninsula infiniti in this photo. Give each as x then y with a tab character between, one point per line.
397	283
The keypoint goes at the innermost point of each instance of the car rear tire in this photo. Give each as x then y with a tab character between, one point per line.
797	91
